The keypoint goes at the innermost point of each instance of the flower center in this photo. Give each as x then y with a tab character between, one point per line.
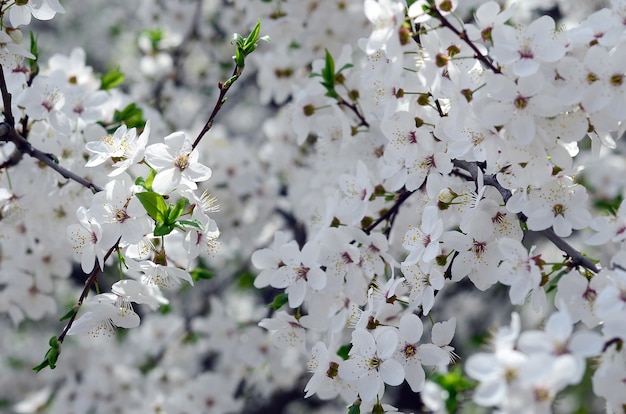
182	162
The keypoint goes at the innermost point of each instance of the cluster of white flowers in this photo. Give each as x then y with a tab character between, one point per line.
393	183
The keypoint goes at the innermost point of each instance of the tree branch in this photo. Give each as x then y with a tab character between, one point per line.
463	36
491	180
223	86
93	276
389	213
9	134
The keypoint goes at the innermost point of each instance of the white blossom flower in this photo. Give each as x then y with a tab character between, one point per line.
86	239
526	48
103	313
285	331
176	164
370	365
159	275
300	269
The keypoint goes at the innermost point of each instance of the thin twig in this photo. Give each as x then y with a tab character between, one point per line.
391	212
93	276
463	36
218	105
577	258
9	134
25	147
6	99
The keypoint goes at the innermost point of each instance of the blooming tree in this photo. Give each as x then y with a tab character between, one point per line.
407	205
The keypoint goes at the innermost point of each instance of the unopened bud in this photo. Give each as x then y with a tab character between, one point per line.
446	195
16	34
423	99
308	110
405	36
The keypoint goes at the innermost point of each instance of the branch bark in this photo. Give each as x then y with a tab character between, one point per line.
491	180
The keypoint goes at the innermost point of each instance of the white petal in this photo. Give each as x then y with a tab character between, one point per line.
392	372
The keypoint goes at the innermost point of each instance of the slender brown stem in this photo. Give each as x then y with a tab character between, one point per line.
224	87
389	214
355	109
577	258
91	279
9	134
6	99
463	36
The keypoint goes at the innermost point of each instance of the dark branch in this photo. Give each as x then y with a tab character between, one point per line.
491	180
463	36
389	214
223	86
91	279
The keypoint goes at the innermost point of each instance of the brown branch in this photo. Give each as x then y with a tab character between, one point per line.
9	134
355	110
6	99
223	86
91	279
389	214
463	36
25	147
577	258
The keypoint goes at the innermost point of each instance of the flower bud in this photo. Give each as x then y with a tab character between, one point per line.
446	195
16	34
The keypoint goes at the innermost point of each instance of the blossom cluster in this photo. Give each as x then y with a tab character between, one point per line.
394	177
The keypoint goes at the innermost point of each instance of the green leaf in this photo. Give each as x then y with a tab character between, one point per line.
68	314
111	80
186	224
344	351
355	408
201	273
279	301
154	205
41	366
344	67
245	280
247	45
250	41
178	209
34	49
52	355
131	115
328	73
150	179
163	229
165	309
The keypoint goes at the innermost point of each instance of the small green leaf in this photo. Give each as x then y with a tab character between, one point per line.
163	229
54	342
355	408
41	366
68	314
131	115
201	273
111	80
165	309
186	224
178	209
344	351
150	179
34	49
329	69
344	67
154	205
52	355
141	182
245	280
279	301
